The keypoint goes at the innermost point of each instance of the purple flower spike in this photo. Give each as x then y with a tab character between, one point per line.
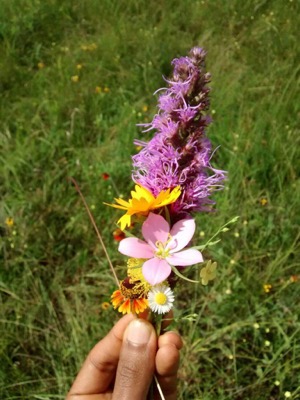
180	152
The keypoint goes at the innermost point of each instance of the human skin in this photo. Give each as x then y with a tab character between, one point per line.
121	366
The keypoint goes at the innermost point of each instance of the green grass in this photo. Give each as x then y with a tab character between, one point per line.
54	276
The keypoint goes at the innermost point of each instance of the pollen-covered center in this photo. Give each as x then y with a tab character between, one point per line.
160	298
162	250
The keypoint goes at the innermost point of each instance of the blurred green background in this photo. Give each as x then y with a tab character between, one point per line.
76	77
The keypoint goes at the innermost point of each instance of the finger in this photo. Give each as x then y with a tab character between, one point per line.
99	368
170	337
136	366
167	363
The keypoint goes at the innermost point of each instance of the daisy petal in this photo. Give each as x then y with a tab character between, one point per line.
181	233
156	270
185	257
134	247
155	229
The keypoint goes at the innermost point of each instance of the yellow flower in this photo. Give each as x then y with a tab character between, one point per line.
267	287
142	202
41	65
106	89
9	222
105	305
75	78
208	273
88	47
135	274
79	66
263	201
98	89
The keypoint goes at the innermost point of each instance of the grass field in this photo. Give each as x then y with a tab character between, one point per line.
76	77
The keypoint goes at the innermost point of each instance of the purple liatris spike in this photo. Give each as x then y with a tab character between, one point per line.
180	152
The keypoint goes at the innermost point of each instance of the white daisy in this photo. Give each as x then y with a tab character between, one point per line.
161	299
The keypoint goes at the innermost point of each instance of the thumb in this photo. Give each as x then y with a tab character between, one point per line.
137	361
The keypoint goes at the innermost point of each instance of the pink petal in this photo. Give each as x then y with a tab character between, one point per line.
134	247
154	229
185	257
181	233
156	270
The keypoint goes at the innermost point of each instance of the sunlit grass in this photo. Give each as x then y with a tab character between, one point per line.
72	93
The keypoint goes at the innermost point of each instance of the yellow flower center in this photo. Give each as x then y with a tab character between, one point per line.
160	298
161	251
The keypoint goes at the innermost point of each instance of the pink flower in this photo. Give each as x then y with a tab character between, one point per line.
162	247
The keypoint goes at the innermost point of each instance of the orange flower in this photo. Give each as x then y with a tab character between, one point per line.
127	306
130	298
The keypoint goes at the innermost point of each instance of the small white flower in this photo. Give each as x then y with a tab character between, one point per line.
161	299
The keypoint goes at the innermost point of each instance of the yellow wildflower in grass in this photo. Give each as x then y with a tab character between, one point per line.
142	202
208	273
105	305
98	89
263	201
41	65
9	222
106	89
267	287
89	47
294	278
75	78
145	108
79	66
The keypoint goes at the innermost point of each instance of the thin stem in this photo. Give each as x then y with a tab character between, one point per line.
159	388
96	229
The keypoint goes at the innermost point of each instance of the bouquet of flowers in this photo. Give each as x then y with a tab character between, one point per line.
174	179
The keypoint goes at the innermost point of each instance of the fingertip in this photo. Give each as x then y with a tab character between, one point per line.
99	368
167	360
137	361
139	332
170	338
167	364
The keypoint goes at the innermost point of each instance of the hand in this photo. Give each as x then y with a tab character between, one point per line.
121	366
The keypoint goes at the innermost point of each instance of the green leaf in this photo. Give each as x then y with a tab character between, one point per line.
182	276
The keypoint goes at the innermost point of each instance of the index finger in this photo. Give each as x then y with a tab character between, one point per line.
98	370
